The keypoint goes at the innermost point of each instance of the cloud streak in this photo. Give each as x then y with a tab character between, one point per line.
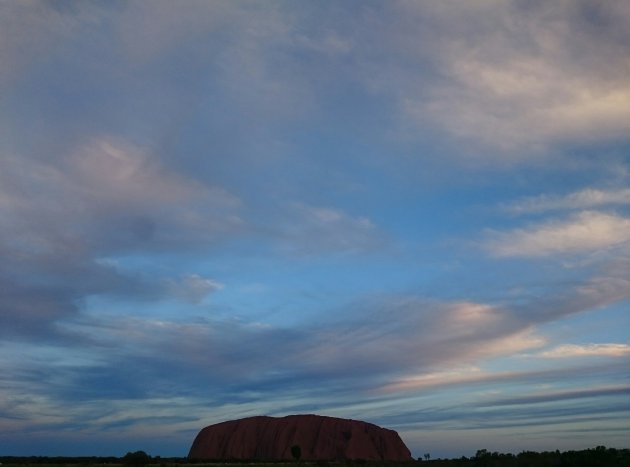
585	232
308	230
589	350
587	198
522	86
563	396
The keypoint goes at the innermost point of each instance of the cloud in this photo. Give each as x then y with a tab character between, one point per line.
29	30
584	199
434	379
584	232
550	74
246	51
407	334
221	367
308	230
589	350
182	357
564	395
362	347
608	287
65	219
604	289
193	288
108	195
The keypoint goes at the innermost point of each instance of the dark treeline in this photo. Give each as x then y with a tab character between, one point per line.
596	457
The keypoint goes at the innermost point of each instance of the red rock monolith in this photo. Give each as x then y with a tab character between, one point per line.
319	438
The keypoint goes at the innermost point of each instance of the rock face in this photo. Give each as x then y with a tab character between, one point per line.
319	438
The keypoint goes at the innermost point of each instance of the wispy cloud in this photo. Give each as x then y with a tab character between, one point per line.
523	85
408	335
106	196
590	295
30	29
584	232
378	348
589	350
66	219
193	288
564	395
584	199
306	229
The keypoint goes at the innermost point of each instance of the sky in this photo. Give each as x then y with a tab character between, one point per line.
412	213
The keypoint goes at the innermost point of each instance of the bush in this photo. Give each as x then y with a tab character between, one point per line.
136	458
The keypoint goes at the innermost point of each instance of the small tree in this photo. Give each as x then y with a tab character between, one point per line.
296	452
482	454
137	458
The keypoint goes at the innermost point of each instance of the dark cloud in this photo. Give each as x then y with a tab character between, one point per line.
236	368
369	345
381	343
561	396
556	408
66	220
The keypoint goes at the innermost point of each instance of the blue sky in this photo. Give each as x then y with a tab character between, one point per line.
411	213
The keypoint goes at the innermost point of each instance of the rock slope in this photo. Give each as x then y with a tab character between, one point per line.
319	438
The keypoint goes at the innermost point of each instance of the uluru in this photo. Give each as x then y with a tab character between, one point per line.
318	438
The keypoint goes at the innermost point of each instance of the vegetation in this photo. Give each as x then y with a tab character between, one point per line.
596	457
296	452
138	458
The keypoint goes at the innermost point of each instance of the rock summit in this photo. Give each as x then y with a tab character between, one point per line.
318	438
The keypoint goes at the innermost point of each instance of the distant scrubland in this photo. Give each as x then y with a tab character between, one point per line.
596	457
